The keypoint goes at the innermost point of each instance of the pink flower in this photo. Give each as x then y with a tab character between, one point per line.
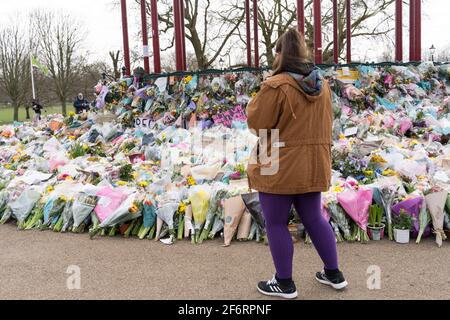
405	125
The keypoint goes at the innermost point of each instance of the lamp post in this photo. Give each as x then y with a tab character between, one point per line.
433	52
221	62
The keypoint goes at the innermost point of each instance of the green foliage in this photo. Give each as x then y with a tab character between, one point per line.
375	216
404	221
126	173
78	150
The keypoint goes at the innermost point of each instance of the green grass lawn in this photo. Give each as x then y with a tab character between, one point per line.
7	113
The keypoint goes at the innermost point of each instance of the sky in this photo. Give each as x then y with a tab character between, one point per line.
104	33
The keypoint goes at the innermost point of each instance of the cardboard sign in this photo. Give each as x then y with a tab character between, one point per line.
142	123
226	119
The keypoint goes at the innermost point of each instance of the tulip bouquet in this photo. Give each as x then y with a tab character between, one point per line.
199	197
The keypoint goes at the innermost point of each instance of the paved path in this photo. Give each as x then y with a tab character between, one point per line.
33	265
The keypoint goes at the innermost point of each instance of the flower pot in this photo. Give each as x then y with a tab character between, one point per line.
376	233
401	236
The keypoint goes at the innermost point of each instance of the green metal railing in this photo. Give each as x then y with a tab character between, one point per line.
262	69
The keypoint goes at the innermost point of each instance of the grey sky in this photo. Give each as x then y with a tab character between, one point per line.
103	23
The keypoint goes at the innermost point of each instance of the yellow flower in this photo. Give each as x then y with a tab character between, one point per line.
191	181
378	159
187	79
63	198
134	175
85	147
121	183
182	208
134	209
143	184
341	137
389	172
50	189
337	189
368	172
72	137
7	166
414	143
254	94
71	114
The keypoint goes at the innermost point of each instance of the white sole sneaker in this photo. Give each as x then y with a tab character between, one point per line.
339	286
289	296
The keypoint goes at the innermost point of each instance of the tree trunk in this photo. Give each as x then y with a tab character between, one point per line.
202	60
64	107
16	111
27	109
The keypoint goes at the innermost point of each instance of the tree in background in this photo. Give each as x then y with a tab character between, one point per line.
15	66
115	59
59	38
370	19
209	31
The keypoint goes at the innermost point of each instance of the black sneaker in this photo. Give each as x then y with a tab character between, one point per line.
337	281
274	289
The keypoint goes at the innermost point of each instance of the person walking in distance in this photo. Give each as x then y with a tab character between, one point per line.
296	102
37	108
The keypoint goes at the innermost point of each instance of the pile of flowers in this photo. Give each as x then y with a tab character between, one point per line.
183	173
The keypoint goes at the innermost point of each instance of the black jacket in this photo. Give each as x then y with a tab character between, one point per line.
37	108
81	105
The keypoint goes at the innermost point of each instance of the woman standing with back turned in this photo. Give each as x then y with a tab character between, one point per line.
297	102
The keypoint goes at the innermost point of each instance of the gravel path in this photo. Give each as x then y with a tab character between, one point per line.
33	265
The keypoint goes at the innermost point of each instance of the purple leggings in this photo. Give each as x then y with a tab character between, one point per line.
277	209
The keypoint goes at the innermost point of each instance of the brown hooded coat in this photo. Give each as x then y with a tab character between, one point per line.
305	137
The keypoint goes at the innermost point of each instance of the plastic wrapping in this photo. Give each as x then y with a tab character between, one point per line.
82	208
24	204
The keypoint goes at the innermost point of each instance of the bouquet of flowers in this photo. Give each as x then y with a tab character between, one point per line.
424	222
199	197
168	204
387	194
127	211
149	218
356	204
22	207
234	210
219	192
436	203
251	201
82	208
67	216
52	210
339	219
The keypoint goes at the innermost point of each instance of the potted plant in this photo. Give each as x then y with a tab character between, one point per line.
403	224
376	227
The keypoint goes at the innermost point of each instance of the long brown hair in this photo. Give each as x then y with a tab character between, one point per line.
292	53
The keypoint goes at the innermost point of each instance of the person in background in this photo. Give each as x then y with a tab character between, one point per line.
37	108
81	104
297	102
